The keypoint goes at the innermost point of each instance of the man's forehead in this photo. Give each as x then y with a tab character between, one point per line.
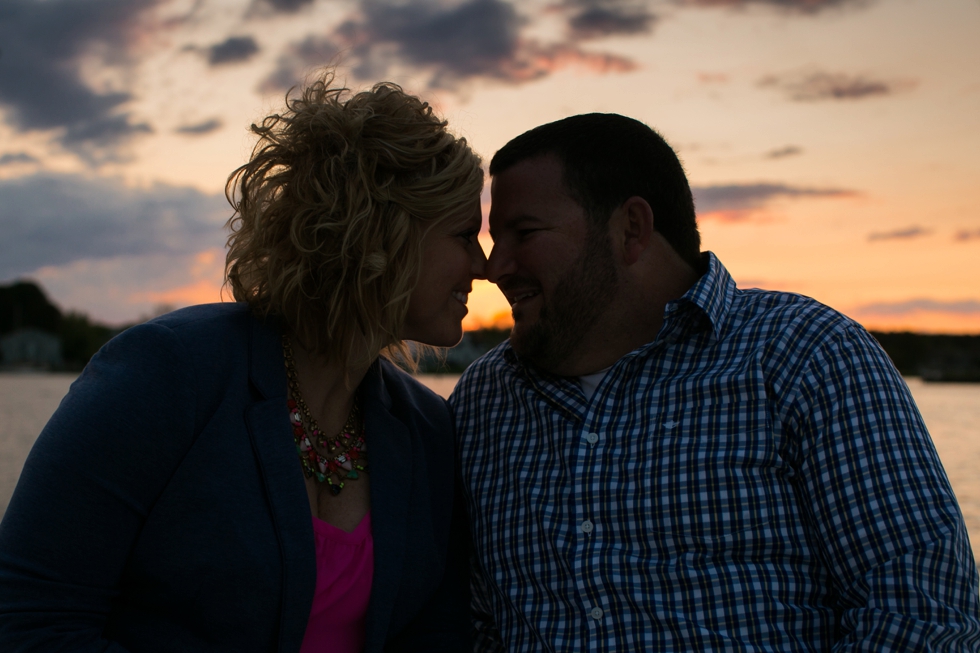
546	168
538	179
531	194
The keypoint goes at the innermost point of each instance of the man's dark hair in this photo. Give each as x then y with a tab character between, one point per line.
606	159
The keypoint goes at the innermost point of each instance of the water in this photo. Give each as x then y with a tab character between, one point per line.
26	403
951	411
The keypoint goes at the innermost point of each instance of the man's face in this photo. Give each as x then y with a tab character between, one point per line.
556	272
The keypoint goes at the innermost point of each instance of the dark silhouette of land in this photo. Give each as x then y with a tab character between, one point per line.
946	358
24	305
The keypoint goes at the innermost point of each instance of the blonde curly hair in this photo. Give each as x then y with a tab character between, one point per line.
331	210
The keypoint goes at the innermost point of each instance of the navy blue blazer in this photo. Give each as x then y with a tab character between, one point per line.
163	508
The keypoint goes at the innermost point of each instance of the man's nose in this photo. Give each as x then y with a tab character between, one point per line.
500	264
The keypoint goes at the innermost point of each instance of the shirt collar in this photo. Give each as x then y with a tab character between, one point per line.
713	294
710	298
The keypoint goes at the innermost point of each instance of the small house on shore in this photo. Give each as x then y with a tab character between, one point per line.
30	349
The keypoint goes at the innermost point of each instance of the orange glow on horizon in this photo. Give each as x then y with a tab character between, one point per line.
199	292
500	320
925	323
488	309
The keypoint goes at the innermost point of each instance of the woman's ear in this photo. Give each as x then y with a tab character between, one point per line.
634	227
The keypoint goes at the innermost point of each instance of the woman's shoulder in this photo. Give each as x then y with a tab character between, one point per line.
412	402
401	385
208	327
204	317
212	339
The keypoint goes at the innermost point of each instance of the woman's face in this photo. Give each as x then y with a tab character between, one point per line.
451	259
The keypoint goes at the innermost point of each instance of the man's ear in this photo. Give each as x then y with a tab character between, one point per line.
635	227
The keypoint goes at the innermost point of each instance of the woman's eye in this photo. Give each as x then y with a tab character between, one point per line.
468	236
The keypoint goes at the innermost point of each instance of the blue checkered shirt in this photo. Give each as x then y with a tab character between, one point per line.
757	478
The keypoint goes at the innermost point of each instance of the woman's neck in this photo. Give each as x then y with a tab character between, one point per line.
327	388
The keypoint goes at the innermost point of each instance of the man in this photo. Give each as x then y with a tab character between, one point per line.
659	461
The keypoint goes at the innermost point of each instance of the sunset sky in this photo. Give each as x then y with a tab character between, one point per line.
833	145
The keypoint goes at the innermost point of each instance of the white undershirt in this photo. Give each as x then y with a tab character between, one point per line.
590	382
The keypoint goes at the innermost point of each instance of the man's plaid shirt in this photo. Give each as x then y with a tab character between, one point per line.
757	478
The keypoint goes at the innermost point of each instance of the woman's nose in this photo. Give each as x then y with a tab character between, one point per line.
478	259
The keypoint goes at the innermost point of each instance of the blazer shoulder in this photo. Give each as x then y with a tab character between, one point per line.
403	386
209	331
408	395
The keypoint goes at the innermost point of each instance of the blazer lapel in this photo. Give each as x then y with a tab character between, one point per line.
272	443
390	459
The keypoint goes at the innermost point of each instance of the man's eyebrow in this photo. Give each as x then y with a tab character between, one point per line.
518	222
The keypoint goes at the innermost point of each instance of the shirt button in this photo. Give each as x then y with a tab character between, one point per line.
592	438
596	613
586	526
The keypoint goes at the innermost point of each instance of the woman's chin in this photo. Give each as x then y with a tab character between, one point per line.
438	337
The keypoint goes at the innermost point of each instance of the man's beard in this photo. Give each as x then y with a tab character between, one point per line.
578	300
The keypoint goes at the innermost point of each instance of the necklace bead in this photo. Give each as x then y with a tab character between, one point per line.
350	441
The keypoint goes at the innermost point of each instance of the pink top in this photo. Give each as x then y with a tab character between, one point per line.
344	569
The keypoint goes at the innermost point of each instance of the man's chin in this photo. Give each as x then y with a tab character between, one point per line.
534	345
519	337
522	332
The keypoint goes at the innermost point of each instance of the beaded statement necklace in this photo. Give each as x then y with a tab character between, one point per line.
333	467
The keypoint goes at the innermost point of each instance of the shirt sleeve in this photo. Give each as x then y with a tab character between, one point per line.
881	510
87	486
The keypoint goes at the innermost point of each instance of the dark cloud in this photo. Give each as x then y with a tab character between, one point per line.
449	42
964	235
738	201
806	7
13	158
40	85
200	128
783	152
813	86
592	19
298	59
900	234
921	305
469	39
287	6
49	219
234	49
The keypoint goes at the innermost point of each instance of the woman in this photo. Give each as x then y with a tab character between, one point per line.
258	476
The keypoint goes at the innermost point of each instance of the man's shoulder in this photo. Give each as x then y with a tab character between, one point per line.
782	314
754	315
789	332
497	366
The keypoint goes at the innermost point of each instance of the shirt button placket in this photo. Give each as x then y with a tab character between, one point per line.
586	527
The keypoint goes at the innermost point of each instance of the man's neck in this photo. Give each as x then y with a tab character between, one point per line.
633	319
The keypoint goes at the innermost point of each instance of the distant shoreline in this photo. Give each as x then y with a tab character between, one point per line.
35	336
